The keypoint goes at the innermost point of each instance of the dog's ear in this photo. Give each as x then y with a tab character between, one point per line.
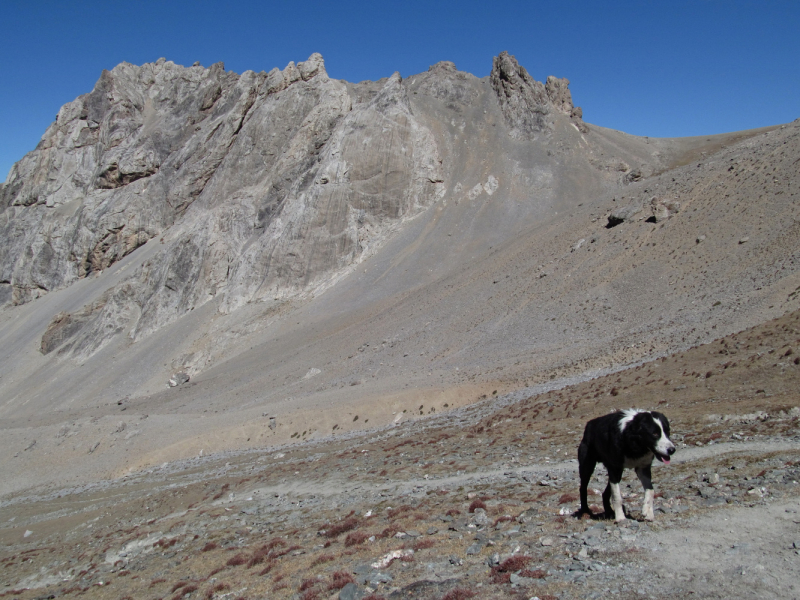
637	423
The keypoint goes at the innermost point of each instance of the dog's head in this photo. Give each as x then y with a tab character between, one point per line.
653	429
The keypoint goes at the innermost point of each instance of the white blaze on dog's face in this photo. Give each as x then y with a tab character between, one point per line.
664	446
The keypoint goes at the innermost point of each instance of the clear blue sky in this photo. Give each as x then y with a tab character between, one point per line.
657	68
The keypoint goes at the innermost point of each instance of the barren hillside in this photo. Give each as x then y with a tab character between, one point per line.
241	313
479	500
355	249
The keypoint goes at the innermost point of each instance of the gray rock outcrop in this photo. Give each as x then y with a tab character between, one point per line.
263	186
623	214
527	104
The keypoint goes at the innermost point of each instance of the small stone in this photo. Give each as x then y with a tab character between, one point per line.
546	541
455	560
480	517
27	533
475	549
432	531
178	379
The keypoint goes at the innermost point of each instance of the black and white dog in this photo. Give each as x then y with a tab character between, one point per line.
627	439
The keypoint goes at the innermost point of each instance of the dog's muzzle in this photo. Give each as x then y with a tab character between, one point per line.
665	456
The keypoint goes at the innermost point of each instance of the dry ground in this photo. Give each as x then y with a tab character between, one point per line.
482	495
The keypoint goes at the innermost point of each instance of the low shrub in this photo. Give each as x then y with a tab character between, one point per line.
339	580
459	594
355	538
341	527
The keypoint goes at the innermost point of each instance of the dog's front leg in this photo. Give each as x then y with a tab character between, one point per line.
614	477
644	476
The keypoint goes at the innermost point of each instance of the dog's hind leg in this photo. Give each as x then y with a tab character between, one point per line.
607	501
644	476
586	465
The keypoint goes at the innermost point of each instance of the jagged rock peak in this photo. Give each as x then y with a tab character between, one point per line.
526	103
443	65
392	93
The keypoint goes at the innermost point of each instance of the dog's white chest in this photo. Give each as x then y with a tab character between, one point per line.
642	461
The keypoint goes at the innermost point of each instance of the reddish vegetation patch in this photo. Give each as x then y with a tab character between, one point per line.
186	590
453	512
355	538
537	574
458	594
393	513
476	504
503	519
390	531
423	544
341	527
340	579
567	498
502	572
308	584
209	546
218	587
235	561
267	568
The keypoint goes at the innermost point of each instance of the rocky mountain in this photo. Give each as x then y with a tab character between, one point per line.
289	249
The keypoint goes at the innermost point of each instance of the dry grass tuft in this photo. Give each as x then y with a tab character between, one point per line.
422	544
321	559
393	513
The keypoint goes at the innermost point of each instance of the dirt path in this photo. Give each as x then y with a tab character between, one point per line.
731	553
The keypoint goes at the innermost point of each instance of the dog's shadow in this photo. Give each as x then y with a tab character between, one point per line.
590	514
601	515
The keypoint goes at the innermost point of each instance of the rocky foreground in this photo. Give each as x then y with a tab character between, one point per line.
477	502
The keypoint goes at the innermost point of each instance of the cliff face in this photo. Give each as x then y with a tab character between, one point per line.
260	186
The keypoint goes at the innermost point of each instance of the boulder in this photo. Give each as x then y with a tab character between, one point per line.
663	208
623	214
